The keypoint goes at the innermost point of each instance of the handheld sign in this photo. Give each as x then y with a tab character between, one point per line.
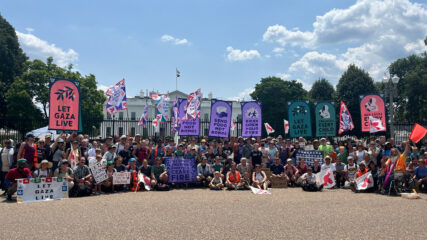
64	104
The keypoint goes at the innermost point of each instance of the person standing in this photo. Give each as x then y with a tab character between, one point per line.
28	150
6	162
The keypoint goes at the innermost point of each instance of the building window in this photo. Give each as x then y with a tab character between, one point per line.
120	115
120	131
132	131
133	116
108	131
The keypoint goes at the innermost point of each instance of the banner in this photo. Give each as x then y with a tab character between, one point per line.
259	191
346	122
251	119
220	118
326	178
145	180
371	106
325	119
116	98
98	172
365	181
299	118
41	189
161	103
309	156
187	127
121	178
64	104
181	170
192	107
144	117
175	117
268	128
286	125
375	125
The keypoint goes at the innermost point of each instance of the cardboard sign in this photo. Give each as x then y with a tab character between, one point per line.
121	178
64	104
98	172
41	189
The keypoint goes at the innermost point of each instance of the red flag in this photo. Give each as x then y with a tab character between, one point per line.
286	123
268	128
418	132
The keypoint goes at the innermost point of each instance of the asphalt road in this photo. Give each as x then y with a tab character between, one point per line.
204	214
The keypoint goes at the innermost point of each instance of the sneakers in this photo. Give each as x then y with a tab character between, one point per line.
8	197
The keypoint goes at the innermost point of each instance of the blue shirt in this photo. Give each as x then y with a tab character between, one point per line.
420	173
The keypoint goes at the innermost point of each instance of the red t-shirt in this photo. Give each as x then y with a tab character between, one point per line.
14	174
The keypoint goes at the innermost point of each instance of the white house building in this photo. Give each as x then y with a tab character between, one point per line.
126	122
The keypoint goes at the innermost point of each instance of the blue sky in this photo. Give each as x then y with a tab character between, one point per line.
224	47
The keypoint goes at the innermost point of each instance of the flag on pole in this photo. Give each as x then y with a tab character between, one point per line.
116	98
233	125
346	123
418	132
144	117
365	181
175	118
161	102
268	128
286	124
156	123
375	125
192	109
178	74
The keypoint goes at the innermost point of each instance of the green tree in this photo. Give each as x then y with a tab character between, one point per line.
274	93
12	61
321	90
353	83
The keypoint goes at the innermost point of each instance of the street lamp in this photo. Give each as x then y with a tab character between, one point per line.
391	90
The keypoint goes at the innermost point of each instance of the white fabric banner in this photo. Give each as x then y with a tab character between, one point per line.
259	191
365	181
326	178
41	189
121	178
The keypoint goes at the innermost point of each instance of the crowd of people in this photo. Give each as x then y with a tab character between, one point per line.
234	163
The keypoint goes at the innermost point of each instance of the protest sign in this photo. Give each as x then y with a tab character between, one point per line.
181	170
187	127
220	118
251	119
325	119
309	156
98	172
299	118
64	104
41	189
121	178
371	106
326	178
365	181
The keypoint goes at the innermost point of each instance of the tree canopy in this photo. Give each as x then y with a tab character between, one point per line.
321	90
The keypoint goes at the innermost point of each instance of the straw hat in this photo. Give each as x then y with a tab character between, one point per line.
49	164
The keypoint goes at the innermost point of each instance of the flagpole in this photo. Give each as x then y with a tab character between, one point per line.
176	80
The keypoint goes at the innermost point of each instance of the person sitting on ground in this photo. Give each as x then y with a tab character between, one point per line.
328	165
410	169
375	173
290	172
158	172
21	171
180	151
66	173
204	173
82	178
420	176
309	181
146	170
227	166
396	165
243	166
111	154
118	164
107	184
277	170
350	169
301	167
316	166
133	169
44	169
259	178
216	182
218	166
192	154
362	171
245	181
233	178
340	173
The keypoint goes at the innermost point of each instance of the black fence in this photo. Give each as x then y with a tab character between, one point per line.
118	127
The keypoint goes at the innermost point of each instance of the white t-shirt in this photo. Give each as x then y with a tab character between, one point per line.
327	166
310	179
43	173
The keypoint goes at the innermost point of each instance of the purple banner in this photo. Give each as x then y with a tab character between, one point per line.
220	118
187	127
181	170
251	119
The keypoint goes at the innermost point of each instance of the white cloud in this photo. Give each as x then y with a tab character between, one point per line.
41	49
173	40
243	96
284	76
239	55
102	87
278	50
30	30
378	32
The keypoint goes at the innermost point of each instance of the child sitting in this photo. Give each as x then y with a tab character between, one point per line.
216	182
